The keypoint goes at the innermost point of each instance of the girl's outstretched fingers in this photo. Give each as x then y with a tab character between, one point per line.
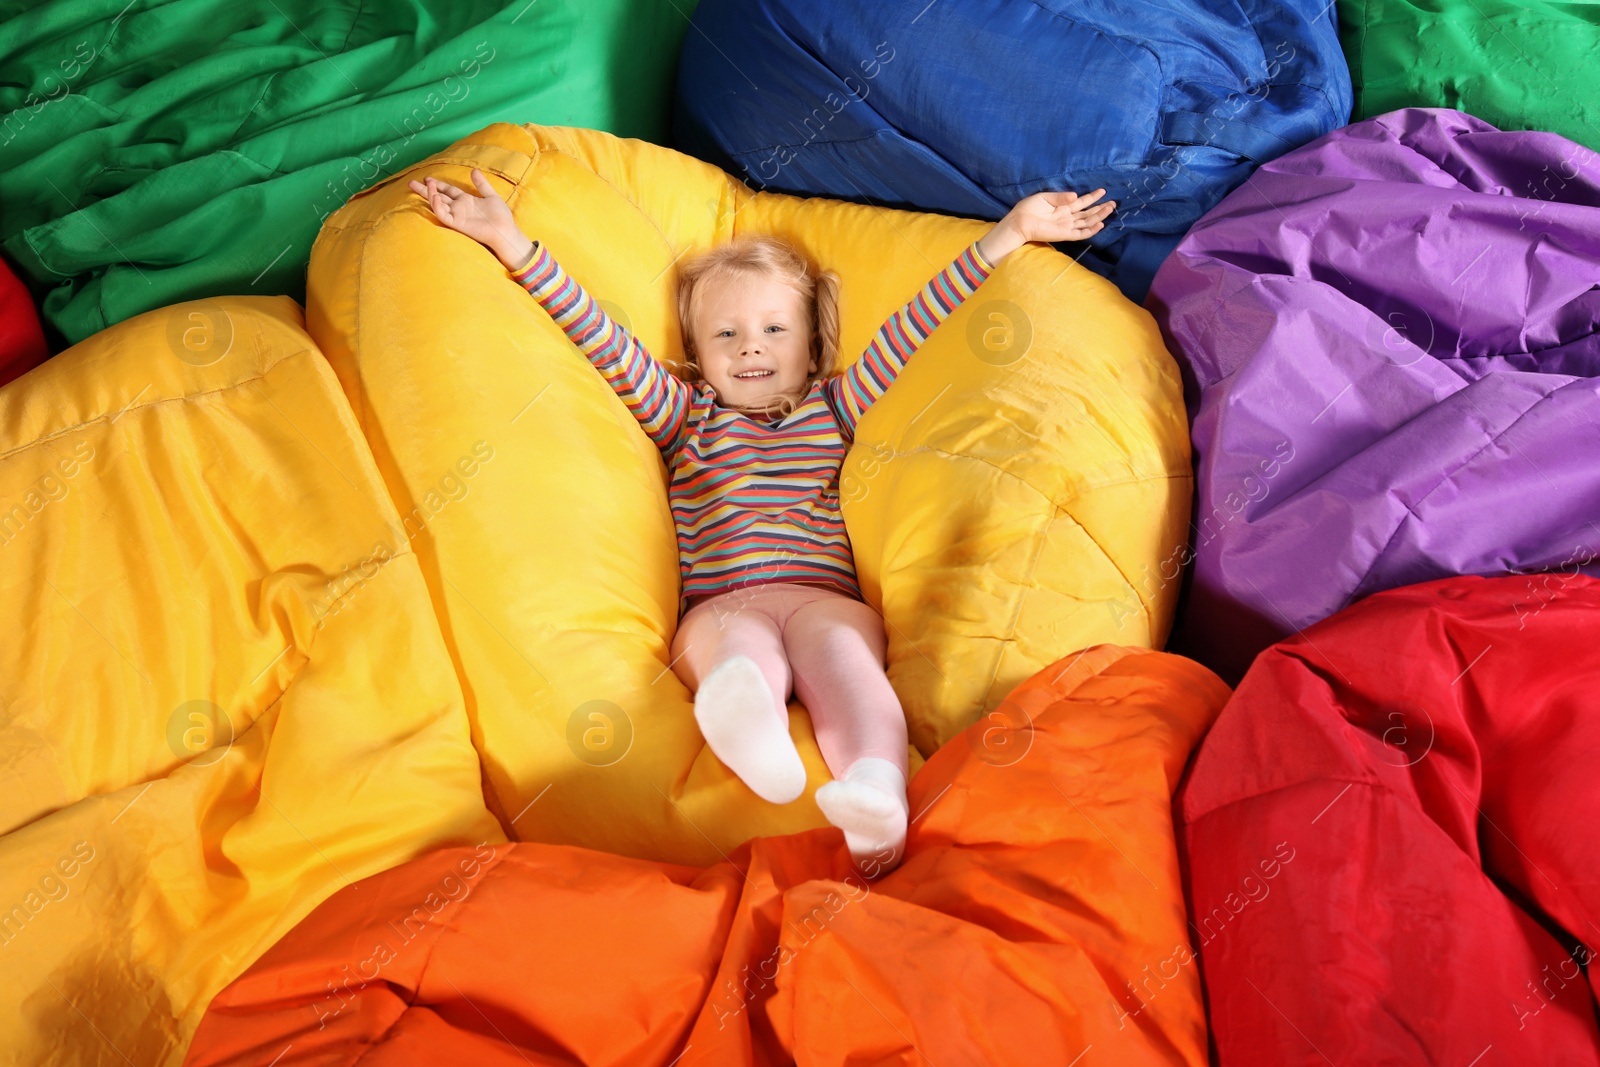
1062	215
436	194
1082	203
1092	219
485	217
482	184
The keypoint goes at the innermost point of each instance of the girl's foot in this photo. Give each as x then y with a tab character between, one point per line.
734	708
869	805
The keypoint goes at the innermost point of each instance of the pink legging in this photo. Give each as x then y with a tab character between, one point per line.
830	646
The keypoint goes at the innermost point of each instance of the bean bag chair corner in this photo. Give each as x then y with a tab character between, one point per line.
22	340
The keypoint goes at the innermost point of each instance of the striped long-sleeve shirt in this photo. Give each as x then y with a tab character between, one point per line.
754	500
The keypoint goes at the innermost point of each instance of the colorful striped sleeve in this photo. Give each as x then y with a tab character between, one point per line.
869	377
657	399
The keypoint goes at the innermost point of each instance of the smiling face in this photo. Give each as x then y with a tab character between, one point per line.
752	339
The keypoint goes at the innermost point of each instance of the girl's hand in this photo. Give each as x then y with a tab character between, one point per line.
485	218
1048	216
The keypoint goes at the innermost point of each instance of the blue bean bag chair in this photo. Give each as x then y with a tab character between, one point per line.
966	108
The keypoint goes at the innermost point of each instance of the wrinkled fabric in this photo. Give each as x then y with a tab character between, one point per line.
965	108
223	693
1517	64
1002	498
169	151
1391	836
1033	919
1392	369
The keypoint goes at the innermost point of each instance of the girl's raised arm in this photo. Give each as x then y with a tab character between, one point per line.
657	399
1046	216
868	378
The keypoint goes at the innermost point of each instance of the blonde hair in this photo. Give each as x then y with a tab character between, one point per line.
775	258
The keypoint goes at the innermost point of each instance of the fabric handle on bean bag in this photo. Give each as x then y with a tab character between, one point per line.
1231	135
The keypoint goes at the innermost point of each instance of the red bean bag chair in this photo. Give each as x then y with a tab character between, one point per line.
1392	834
22	344
1040	887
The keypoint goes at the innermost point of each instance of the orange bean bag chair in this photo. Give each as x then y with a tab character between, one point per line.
1037	916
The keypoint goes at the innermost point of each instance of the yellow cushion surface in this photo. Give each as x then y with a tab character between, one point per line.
1011	499
224	695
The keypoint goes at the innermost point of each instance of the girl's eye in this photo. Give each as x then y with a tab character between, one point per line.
725	333
774	327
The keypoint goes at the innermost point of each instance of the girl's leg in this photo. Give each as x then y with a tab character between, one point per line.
729	652
837	651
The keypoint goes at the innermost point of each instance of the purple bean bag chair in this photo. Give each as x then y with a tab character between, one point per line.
1390	355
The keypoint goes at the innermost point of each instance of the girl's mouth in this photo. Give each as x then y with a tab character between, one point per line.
751	375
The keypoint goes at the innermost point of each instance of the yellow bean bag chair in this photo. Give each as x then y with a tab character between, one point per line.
223	691
1021	491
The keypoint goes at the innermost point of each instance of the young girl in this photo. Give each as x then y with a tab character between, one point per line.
754	442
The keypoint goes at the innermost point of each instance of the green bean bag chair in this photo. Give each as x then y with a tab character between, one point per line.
151	154
1517	64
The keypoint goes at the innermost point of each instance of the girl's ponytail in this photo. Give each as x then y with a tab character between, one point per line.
825	331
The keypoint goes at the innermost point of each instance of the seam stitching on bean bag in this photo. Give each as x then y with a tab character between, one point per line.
103	416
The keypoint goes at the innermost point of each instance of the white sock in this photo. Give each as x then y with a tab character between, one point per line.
869	805
734	708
